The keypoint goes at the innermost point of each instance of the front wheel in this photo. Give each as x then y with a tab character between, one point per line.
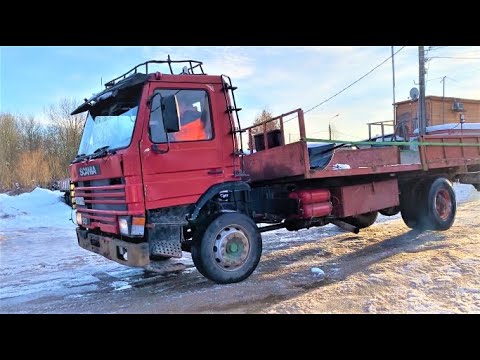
228	249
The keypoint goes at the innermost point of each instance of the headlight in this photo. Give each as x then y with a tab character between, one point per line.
79	218
123	226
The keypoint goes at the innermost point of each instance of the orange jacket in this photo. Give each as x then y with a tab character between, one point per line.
194	130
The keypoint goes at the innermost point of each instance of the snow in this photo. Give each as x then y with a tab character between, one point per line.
451	126
30	269
341	167
465	193
37	209
317	271
121	285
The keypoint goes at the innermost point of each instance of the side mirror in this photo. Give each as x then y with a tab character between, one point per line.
171	118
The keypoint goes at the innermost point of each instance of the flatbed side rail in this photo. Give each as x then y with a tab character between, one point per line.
263	126
436	151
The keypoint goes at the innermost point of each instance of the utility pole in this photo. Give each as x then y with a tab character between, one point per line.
443	101
421	100
393	75
330	126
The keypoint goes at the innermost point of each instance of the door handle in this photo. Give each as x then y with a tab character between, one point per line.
215	171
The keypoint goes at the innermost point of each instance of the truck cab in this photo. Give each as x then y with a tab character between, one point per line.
153	144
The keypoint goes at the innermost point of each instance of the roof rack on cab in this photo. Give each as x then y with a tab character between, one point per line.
189	68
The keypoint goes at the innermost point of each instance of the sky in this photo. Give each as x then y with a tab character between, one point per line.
278	79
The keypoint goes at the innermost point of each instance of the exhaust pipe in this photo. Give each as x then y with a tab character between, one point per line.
346	226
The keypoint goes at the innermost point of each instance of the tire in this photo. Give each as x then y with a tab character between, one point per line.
439	205
362	221
228	249
410	195
391	211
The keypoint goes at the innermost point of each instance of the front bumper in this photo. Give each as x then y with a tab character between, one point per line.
138	255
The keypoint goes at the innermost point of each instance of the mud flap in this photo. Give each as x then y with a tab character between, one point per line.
166	241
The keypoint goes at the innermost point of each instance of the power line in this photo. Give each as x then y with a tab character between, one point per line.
349	86
431	48
437	78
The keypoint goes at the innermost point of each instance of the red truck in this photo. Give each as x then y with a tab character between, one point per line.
161	169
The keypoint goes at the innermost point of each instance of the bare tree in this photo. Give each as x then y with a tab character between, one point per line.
64	134
31	133
9	149
264	116
32	169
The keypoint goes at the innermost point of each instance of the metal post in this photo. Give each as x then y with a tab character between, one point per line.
393	76
329	131
301	125
250	140
265	139
421	99
443	101
282	130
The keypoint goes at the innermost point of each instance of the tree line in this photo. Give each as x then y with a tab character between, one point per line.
35	153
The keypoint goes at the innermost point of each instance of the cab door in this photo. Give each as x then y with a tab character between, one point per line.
180	170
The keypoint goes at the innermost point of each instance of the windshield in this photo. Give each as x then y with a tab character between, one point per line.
110	123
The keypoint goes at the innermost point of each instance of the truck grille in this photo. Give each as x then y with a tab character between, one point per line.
104	201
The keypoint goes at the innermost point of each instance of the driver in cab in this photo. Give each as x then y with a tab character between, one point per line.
192	126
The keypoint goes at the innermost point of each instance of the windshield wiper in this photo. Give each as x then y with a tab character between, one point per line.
100	152
79	158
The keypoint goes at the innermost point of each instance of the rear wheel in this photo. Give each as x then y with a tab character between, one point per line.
410	198
440	205
362	221
228	249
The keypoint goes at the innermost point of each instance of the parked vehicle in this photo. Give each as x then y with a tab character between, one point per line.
161	169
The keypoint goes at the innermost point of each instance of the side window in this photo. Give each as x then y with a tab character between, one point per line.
195	120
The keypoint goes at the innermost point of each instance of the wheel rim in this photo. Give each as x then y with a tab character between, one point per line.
443	204
231	248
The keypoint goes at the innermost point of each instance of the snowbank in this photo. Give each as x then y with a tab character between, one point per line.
465	192
39	208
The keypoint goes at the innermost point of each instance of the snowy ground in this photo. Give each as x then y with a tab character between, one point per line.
385	268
